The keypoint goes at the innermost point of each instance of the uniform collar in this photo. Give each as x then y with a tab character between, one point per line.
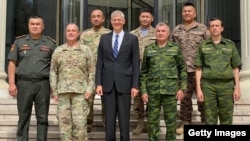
210	41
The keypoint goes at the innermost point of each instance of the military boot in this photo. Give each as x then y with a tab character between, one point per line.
180	129
140	127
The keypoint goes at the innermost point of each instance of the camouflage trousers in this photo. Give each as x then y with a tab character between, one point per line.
72	112
169	105
219	101
139	107
90	118
186	108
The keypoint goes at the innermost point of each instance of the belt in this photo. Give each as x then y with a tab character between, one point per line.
33	79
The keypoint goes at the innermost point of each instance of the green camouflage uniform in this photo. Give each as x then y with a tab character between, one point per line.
189	39
143	42
217	81
71	75
91	38
163	73
32	59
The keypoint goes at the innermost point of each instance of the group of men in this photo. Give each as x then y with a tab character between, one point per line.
153	66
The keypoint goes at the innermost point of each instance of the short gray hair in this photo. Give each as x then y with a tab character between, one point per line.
163	24
117	12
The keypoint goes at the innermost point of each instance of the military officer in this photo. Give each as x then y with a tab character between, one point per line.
188	35
163	80
72	75
91	38
28	74
217	75
146	35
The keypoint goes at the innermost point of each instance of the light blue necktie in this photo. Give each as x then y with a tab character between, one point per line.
115	49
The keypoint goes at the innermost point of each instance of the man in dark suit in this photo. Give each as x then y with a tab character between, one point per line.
117	76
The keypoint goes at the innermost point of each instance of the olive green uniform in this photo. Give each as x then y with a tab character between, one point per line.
163	73
32	59
217	80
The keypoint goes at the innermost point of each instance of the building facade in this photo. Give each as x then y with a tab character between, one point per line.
57	13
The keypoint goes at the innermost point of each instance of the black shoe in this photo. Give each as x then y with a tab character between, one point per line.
89	128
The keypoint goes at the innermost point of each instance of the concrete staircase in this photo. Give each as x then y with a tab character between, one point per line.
9	118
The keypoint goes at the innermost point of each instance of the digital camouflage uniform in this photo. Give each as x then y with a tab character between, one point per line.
149	38
32	59
189	39
217	81
91	38
163	73
71	75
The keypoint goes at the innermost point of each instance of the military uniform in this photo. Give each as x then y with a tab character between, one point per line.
32	59
163	73
71	75
189	39
144	40
91	38
217	81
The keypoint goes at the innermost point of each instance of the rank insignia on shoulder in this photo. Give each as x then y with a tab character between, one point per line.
51	39
20	36
12	47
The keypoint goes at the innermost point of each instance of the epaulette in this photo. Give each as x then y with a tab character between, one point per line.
174	43
51	39
20	36
106	29
230	41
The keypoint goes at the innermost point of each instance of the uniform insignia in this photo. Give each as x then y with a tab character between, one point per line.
206	49
45	48
20	36
25	47
12	47
51	39
152	51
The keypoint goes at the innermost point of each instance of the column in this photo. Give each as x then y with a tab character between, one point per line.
3	84
245	48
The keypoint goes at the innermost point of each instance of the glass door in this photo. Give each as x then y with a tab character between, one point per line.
71	12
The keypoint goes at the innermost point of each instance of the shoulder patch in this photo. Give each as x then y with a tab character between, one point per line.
51	39
12	47
20	36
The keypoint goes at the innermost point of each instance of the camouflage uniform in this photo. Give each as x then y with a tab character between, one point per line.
217	81
32	59
189	39
71	75
149	38
91	38
163	73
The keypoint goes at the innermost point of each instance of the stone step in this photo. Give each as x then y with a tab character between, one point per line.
9	118
93	136
242	104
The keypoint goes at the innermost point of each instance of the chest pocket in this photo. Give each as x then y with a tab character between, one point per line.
170	56
79	58
152	53
45	51
227	54
87	40
24	50
209	54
